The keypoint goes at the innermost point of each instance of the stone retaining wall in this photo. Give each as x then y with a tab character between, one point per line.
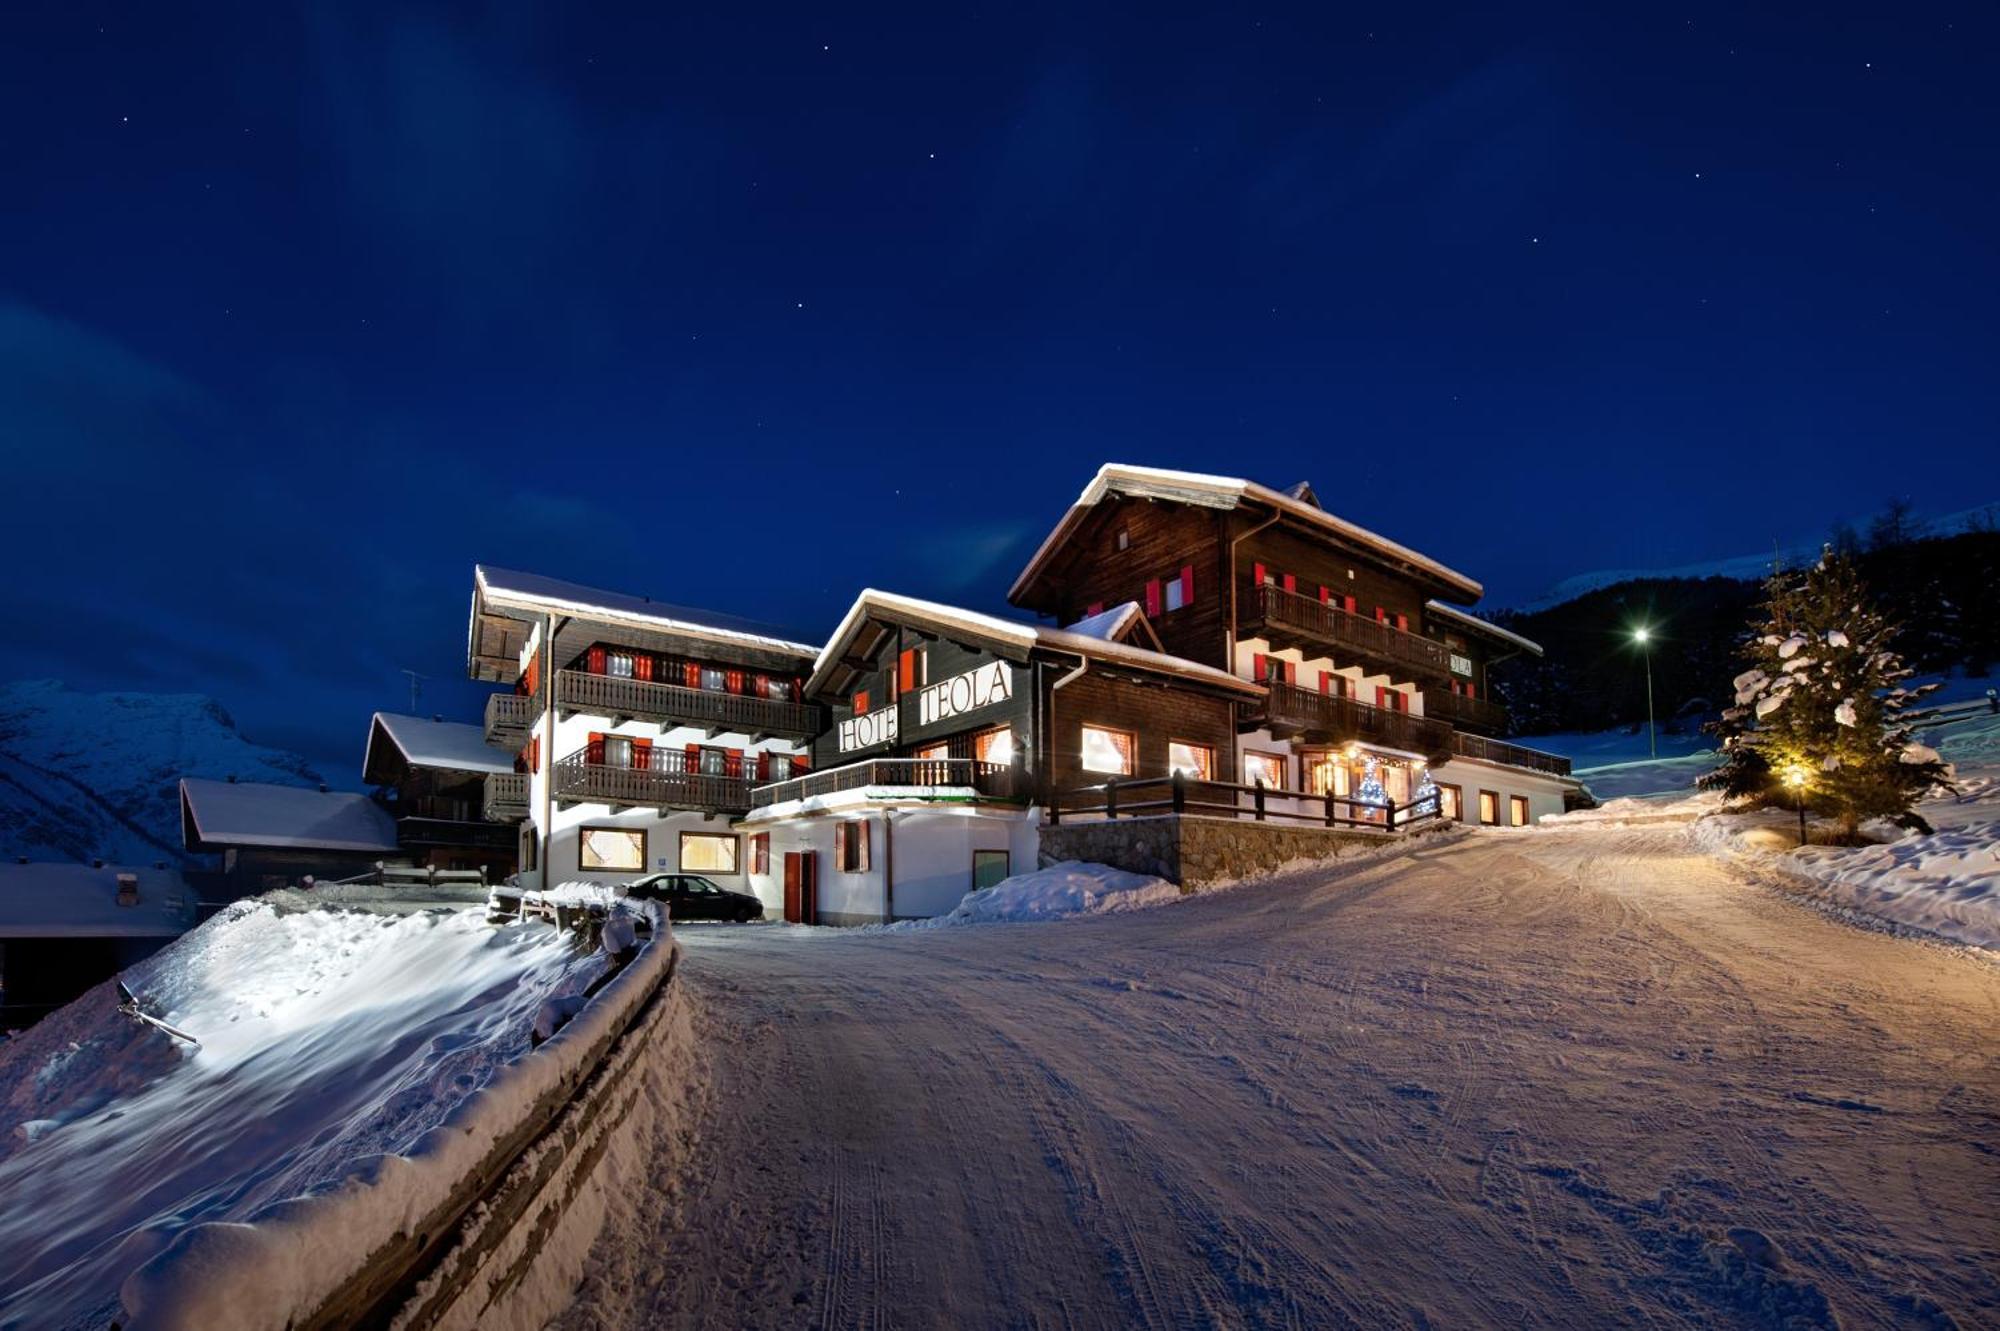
1195	851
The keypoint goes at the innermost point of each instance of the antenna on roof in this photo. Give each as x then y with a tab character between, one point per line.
416	687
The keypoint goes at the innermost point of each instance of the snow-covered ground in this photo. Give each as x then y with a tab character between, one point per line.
327	1037
1587	1075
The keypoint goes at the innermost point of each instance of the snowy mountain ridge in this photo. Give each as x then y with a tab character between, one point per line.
1744	568
96	775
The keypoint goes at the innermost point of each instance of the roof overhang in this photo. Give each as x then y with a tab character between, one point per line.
1484	628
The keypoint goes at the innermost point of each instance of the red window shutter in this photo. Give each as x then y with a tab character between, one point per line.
732	761
1291	672
1468	690
906	670
861	839
1403	623
1381	698
801	762
1094	608
1291	582
642	667
594	660
693	758
798	689
1257	668
733	679
1325	594
594	751
1326	681
642	754
1347	603
860	701
764	765
1187	584
1381	615
1153	598
1257	574
840	846
691	674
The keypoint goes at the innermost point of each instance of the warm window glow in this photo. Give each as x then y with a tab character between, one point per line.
615	849
1448	803
1107	751
1265	768
1194	760
707	852
994	746
1489	808
1517	810
931	752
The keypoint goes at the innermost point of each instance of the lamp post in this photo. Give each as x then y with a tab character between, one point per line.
1795	777
1644	637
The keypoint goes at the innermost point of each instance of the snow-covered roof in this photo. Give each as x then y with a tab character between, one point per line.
1110	625
247	813
1023	638
1478	625
510	590
79	901
451	746
1189	487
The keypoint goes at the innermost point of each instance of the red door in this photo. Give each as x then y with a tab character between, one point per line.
801	887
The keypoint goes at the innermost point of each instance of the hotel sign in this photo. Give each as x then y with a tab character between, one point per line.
868	730
982	687
1461	665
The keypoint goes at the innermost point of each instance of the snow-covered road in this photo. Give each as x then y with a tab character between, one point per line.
1550	1078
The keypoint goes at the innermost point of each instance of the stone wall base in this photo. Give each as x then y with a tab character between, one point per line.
1195	851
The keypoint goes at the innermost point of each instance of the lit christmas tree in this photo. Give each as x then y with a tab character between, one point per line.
1371	790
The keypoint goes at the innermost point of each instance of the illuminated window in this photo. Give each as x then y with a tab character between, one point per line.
994	746
1517	810
1107	751
933	751
760	853
1489	807
708	852
1195	760
1264	769
611	849
1451	802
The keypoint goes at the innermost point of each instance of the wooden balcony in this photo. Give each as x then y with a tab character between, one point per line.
664	783
717	712
509	717
991	780
424	833
506	797
1288	619
1319	718
1494	751
1469	713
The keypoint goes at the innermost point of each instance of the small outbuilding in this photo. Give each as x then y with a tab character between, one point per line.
271	836
66	927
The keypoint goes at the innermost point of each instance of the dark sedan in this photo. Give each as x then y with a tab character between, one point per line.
689	896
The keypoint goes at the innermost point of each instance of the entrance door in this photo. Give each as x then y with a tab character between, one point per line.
801	887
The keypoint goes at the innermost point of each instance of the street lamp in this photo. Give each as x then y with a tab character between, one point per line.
1644	637
1795	777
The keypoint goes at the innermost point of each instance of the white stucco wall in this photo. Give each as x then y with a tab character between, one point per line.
933	848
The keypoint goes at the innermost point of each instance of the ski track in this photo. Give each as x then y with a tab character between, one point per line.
1521	1079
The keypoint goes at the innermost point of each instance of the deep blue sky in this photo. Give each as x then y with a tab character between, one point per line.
305	310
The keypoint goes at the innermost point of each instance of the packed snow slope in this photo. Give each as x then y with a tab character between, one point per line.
1585	1077
327	1038
88	776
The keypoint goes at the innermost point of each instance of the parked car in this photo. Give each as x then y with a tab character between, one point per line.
689	896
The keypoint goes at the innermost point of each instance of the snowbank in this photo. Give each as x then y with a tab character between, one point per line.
1071	887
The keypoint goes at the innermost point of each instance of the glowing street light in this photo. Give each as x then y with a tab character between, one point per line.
1795	777
1644	637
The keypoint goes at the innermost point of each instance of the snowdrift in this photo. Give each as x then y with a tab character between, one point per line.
1071	887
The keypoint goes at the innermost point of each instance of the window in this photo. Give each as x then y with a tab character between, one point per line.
1176	598
760	853
1517	810
715	679
714	762
994	746
611	849
778	767
911	669
1264	768
711	852
1107	751
617	751
1195	760
531	846
988	867
1489	808
1451	802
620	664
931	752
778	690
850	846
1123	540
1328	774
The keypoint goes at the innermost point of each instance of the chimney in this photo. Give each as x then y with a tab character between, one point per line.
128	889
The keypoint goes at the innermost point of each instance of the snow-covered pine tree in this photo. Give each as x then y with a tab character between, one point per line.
1825	698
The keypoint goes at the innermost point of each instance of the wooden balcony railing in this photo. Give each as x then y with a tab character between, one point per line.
664	783
1495	751
465	833
1327	719
1289	619
1136	797
1476	713
991	780
508	719
506	797
618	697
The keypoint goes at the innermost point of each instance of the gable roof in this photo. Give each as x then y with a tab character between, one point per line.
48	900
1227	492
448	746
1010	638
219	814
1478	625
506	589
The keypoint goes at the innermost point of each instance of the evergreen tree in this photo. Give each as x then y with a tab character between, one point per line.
1824	700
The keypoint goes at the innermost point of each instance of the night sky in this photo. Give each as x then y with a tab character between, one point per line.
304	311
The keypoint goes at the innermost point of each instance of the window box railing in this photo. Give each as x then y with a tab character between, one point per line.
506	797
619	697
660	779
1282	617
1460	710
1497	751
1330	719
509	716
1153	796
992	780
